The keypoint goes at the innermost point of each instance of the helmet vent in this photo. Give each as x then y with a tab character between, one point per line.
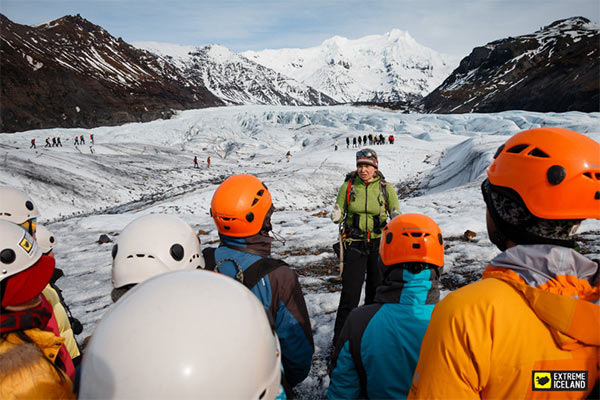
262	395
416	234
538	153
29	205
588	174
517	149
416	245
250	216
440	239
177	252
597	196
405	234
598	175
260	192
388	237
556	174
114	251
498	151
254	202
7	256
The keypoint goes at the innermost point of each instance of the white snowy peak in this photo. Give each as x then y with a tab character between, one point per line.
235	79
386	68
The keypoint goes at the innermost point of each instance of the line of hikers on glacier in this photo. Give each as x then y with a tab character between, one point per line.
231	321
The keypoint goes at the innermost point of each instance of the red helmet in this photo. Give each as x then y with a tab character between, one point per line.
412	238
555	171
240	205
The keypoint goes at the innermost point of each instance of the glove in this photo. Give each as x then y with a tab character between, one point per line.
336	214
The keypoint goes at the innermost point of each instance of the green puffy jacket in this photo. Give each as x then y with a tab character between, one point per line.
366	211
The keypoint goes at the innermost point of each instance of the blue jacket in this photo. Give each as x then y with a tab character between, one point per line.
281	294
378	348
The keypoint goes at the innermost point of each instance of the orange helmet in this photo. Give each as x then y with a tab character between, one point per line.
555	171
412	238
240	205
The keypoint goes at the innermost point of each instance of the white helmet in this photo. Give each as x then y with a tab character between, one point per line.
184	334
152	245
45	239
22	265
16	206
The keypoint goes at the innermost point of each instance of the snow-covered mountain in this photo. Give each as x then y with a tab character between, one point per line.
70	72
378	68
553	69
235	79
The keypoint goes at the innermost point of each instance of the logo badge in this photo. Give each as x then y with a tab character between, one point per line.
26	245
559	380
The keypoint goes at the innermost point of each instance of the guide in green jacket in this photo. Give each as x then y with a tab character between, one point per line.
364	204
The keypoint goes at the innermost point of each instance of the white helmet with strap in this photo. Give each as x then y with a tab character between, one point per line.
16	206
184	335
154	244
45	239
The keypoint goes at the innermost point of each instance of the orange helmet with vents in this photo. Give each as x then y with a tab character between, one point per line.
240	205
555	171
412	238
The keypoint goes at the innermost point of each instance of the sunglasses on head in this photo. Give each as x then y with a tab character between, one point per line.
30	225
365	153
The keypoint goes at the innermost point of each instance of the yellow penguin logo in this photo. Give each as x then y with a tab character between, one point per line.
542	380
26	245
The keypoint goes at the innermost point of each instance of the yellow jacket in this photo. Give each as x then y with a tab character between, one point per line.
26	369
63	320
485	340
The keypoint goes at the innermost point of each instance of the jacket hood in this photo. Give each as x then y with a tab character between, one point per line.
561	286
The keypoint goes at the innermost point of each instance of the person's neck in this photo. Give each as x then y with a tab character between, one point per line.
25	306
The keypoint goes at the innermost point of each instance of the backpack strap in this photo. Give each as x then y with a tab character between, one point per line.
251	276
255	272
209	258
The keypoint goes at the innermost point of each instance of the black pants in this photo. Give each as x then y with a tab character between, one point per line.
359	258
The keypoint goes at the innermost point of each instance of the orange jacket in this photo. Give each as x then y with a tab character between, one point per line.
486	339
26	369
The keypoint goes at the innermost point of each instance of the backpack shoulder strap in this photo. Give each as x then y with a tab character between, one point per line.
350	179
209	258
255	272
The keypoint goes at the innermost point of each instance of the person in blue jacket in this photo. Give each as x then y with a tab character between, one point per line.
378	348
241	208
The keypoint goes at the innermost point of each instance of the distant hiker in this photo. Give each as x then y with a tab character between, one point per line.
91	149
81	139
362	207
370	138
32	144
47	142
539	297
241	208
365	140
208	162
360	140
335	145
288	155
354	142
196	162
393	327
347	142
76	142
53	142
391	139
92	138
381	139
58	143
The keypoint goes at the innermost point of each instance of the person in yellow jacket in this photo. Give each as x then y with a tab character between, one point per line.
529	328
46	240
32	358
19	208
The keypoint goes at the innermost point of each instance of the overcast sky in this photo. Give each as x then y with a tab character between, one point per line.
447	26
